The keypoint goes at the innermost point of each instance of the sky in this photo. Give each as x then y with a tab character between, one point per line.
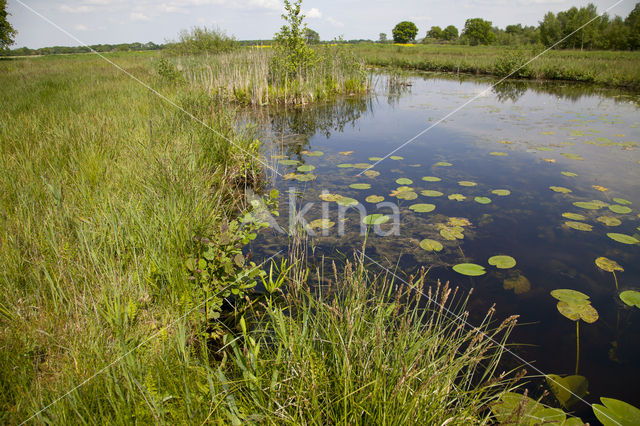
159	21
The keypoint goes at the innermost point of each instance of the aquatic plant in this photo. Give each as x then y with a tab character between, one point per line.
616	413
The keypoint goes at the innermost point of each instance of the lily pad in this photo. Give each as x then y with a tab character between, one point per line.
458	221
519	283
586	313
568	390
304	177
616	413
609	220
457	197
619	209
346	152
580	226
560	189
313	153
407	195
347	201
375	219
443	164
362	165
345	165
600	188
360	186
431	179
501	192
502	261
570	296
451	233
431	245
371	173
321	224
404	181
396	157
288	162
306	168
375	158
469	269
622	201
498	154
374	199
330	197
587	205
422	208
515	409
573	216
467	183
608	265
572	156
631	298
431	193
623	238
569	174
482	200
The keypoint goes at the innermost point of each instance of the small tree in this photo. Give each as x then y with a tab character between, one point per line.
478	31
435	32
450	33
633	25
311	37
405	32
383	38
7	33
293	57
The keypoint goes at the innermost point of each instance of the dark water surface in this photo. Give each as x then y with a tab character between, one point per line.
543	130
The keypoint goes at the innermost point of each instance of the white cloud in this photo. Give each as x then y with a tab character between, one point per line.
334	22
314	13
139	16
75	9
80	27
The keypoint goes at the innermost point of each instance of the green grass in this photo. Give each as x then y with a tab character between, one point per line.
611	68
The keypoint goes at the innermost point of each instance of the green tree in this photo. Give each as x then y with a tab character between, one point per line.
617	35
633	25
7	33
478	31
450	33
292	55
383	38
311	37
550	29
405	32
435	32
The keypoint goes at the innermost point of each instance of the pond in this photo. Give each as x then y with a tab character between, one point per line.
547	174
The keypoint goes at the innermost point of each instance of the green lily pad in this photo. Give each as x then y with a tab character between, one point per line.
306	168
585	312
375	219
431	245
609	220
313	153
396	157
568	390
407	195
431	179
622	201
469	269
375	158
451	233
330	197
502	261
305	178
573	216
372	173
422	208
501	192
619	209
571	156
515	409
498	154
374	199
616	413
623	238
467	183
608	265
482	200
347	201
631	298
404	181
569	174
587	205
519	283
570	296
560	189
345	165
321	224
288	162
362	165
431	193
580	226
443	164
360	186
457	197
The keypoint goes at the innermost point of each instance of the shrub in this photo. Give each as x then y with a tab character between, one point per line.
202	40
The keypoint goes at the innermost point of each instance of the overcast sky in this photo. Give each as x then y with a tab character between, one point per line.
119	21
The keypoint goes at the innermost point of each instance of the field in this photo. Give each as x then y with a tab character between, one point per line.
610	68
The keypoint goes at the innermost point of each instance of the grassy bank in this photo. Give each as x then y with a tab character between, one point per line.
610	68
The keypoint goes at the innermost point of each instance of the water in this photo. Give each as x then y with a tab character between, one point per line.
596	130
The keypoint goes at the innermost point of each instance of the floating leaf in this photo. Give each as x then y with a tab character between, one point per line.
431	179
573	216
396	157
482	200
515	409
501	192
609	221
313	153
519	283
422	208
375	219
346	152
278	157
571	156
550	132
347	201
362	165
321	224
622	201
374	199
616	413
467	183
458	221
305	178
375	158
600	188
584	312
587	205
631	298
498	154
608	265
469	269
549	160
623	238
569	174
443	164
451	233
404	181
345	165
431	245
619	209
330	197
560	189
457	197
371	173
306	168
505	142
360	186
579	226
431	193
407	195
502	261
289	162
568	390
570	296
